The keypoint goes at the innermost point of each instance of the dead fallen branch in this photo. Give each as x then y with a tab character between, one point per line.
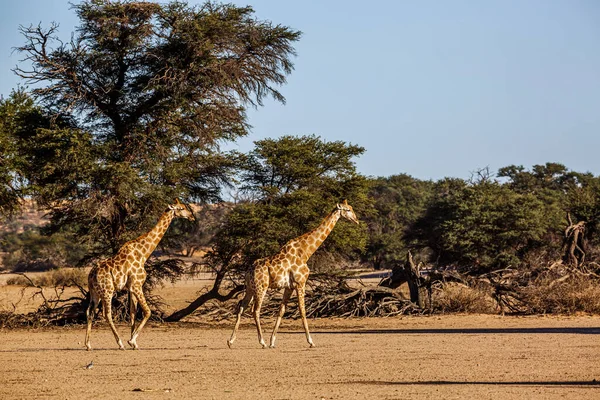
328	296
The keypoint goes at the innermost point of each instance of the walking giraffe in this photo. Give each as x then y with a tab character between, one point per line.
126	270
288	270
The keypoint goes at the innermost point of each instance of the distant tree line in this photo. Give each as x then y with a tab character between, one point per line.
514	218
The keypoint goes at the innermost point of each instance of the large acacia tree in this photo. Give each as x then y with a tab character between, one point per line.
291	184
150	90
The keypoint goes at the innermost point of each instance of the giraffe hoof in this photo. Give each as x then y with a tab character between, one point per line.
229	343
133	344
88	348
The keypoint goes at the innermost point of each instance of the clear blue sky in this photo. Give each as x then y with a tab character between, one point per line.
429	88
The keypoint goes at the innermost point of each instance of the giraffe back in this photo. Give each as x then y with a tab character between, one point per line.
286	269
118	272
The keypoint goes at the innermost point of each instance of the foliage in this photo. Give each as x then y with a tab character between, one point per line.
16	112
551	177
563	191
482	226
198	238
295	182
289	164
141	99
31	250
398	200
583	201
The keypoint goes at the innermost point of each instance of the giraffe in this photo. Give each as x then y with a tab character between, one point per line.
126	270
288	270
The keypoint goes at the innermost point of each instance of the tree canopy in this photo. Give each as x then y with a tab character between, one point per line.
398	200
294	182
480	226
142	97
13	112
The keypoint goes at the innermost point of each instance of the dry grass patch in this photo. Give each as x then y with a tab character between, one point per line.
456	297
575	293
55	278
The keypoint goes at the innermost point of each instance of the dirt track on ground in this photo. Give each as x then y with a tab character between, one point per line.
483	357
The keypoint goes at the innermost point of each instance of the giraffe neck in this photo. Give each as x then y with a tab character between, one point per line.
148	242
313	239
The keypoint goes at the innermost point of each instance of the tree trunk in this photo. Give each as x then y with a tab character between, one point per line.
213	294
415	282
415	293
574	245
409	272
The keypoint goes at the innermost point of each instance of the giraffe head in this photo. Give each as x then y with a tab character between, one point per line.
181	210
347	212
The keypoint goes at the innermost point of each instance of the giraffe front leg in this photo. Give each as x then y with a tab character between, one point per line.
287	293
106	300
139	294
301	292
242	306
260	295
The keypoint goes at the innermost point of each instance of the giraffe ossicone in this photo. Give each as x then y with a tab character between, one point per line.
287	270
126	270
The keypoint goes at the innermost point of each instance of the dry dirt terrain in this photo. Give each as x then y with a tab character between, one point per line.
446	357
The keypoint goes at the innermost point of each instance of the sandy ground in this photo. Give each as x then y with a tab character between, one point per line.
483	357
446	357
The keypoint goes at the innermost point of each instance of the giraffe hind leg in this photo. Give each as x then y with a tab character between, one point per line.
260	295
287	293
300	291
243	304
139	294
132	311
92	306
107	308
